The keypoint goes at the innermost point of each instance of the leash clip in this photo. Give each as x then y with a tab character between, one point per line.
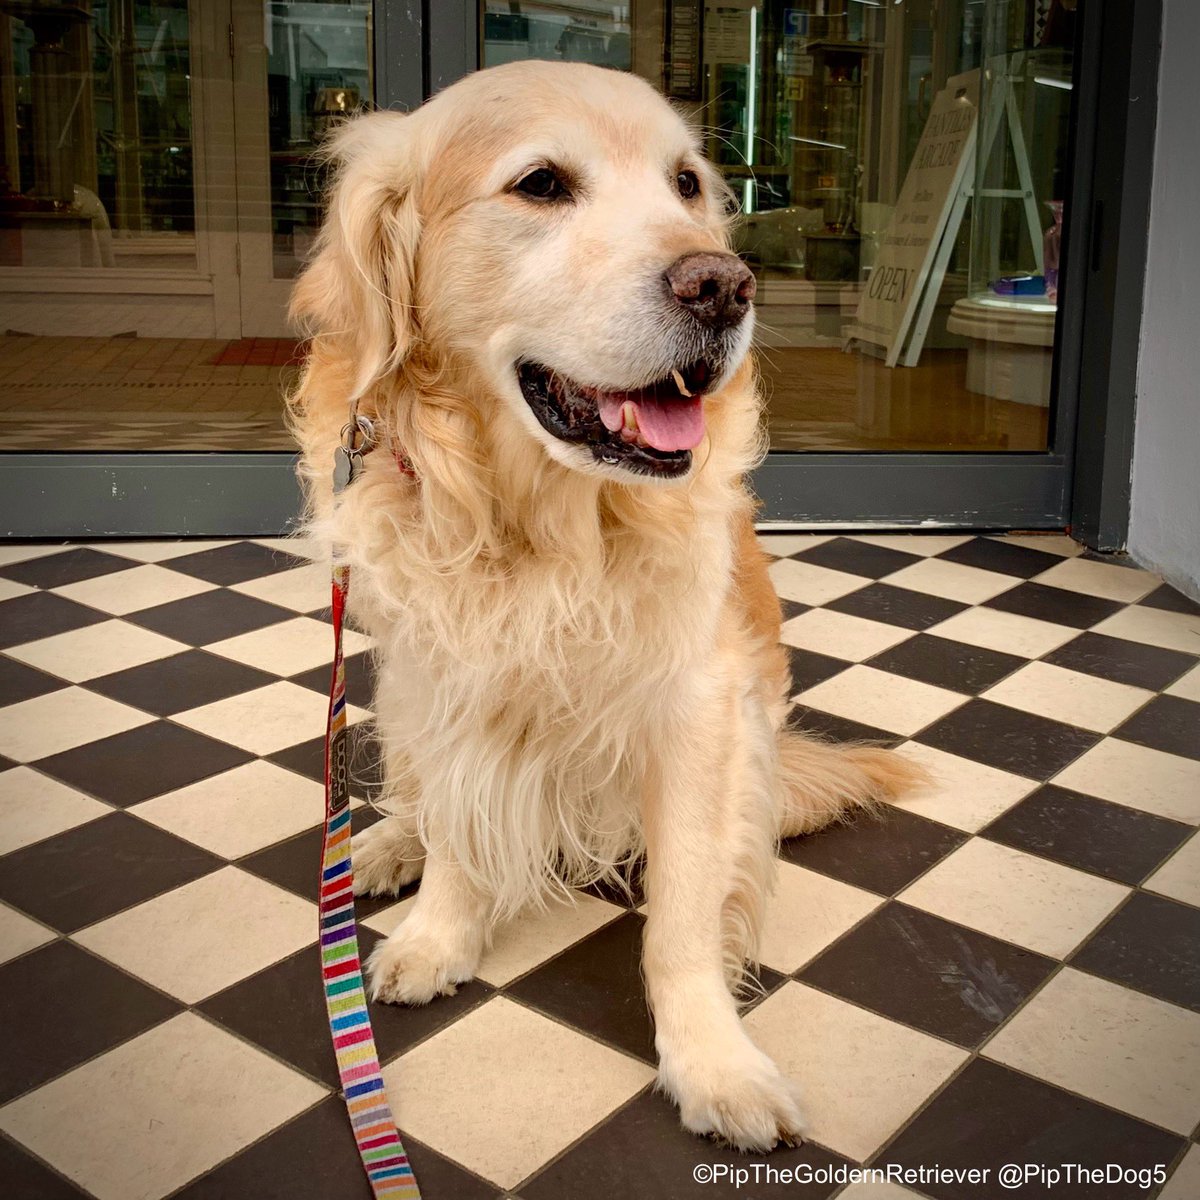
358	436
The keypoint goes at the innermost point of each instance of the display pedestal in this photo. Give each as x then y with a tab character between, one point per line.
1011	346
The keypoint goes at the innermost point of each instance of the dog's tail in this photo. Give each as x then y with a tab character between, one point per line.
822	782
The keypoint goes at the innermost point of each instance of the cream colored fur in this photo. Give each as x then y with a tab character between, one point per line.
577	666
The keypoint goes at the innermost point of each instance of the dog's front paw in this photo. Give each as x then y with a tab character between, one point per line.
386	858
743	1098
415	964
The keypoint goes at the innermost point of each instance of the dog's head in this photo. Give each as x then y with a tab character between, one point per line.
554	231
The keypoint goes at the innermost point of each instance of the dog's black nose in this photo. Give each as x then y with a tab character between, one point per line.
714	288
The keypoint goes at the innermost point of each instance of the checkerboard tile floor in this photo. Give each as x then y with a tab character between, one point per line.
1005	969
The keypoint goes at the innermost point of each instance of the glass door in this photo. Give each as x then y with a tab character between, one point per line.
903	172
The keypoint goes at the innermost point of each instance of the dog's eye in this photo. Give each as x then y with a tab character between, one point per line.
542	184
688	183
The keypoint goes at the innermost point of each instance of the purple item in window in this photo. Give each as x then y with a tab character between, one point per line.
1051	249
1019	285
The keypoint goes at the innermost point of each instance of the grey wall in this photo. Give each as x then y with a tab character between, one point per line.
1164	519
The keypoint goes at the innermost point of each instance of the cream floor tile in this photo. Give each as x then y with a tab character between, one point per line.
779	545
524	941
962	793
532	937
298	546
881	699
267	719
498	1091
1006	632
19	934
1108	1042
1154	627
34	806
1099	579
10	590
206	935
60	721
853	638
806	913
1015	896
239	811
130	591
1138	777
96	650
289	647
1187	686
953	581
15	552
304	589
150	552
1069	696
1050	543
811	584
1179	876
925	544
143	1119
1184	1184
861	1075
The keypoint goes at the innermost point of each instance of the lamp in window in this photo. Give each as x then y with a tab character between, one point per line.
332	104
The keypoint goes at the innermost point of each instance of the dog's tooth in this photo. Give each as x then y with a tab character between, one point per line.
629	413
677	375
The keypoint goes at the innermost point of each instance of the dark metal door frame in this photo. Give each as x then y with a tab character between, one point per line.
1081	482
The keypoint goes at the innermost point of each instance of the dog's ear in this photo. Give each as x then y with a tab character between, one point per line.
359	285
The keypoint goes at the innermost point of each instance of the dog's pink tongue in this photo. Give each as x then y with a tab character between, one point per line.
665	424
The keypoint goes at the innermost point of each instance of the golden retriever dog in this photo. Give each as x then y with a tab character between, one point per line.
527	285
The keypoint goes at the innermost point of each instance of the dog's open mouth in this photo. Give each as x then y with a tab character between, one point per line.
651	431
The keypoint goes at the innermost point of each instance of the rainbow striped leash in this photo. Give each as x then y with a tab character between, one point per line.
379	1146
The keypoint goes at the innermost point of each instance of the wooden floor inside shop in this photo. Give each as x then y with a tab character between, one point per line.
127	393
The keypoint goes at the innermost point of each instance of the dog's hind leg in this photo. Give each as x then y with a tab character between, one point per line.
708	795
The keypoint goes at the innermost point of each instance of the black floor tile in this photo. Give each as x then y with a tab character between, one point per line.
314	1158
792	608
1004	737
1168	723
897	606
942	978
857	558
360	679
19	682
597	985
147	761
295	864
39	615
210	617
366	759
643	1152
1121	661
68	566
59	1006
948	664
173	685
838	729
632	895
882	854
97	869
27	1179
990	1116
1173	601
1053	604
1005	558
234	563
282	1009
810	668
1152	944
1112	840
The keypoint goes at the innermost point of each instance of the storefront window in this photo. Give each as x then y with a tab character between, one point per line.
900	171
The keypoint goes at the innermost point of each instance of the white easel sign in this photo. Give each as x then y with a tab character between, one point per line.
906	255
